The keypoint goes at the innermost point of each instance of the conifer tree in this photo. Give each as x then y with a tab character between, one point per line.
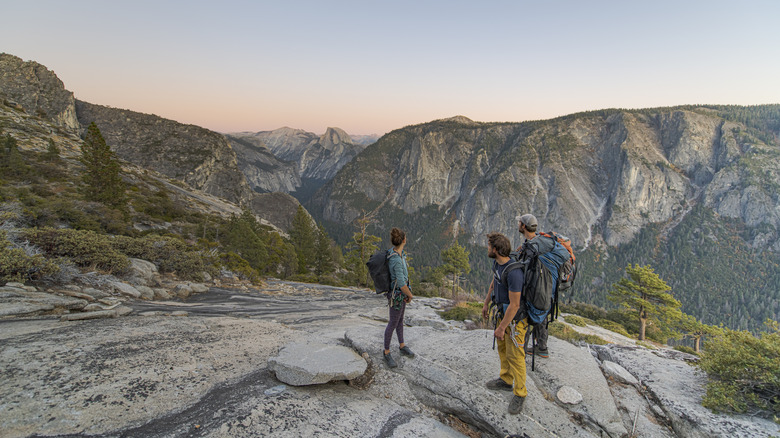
52	152
644	293
456	263
359	250
11	161
101	178
302	235
324	262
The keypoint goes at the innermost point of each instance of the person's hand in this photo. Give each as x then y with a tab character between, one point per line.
408	299
485	309
499	333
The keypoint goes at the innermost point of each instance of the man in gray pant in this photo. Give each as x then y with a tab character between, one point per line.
527	227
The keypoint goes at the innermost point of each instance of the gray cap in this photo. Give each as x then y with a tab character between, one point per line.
529	221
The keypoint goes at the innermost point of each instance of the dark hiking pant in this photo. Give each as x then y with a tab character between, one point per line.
396	323
540	330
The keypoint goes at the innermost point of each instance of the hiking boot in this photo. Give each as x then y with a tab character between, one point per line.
498	385
406	351
389	359
516	404
539	352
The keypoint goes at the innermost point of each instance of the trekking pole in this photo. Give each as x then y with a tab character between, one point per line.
533	349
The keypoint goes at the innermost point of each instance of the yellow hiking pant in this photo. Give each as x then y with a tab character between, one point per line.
513	358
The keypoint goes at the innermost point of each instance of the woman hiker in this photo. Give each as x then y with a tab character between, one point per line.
399	296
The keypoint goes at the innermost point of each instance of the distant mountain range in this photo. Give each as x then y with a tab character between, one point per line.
691	190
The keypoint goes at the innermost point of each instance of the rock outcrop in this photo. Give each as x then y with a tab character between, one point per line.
316	157
201	158
208	366
38	90
611	173
263	171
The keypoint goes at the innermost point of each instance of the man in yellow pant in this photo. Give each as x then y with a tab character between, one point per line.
506	293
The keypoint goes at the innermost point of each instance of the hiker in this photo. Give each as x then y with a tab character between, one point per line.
510	331
399	296
527	227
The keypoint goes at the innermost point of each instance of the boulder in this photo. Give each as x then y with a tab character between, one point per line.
198	288
311	364
618	372
20	301
161	294
569	395
126	289
678	387
182	290
141	272
146	292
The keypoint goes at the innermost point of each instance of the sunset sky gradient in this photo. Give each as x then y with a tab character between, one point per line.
369	67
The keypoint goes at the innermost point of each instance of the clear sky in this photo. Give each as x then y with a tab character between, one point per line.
369	67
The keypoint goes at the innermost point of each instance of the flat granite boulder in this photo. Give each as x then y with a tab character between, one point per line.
312	364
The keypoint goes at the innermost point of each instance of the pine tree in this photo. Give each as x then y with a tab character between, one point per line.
324	261
359	250
644	292
302	235
52	152
101	178
11	161
456	263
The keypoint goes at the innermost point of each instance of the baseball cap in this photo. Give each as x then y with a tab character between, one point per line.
529	220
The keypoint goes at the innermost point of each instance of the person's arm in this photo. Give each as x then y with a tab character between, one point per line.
398	275
515	282
488	298
514	306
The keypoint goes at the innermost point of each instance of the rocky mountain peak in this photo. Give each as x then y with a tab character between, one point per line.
334	136
38	90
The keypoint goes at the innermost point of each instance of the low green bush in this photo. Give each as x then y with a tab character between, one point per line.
16	265
612	326
686	349
170	254
743	372
575	320
566	333
236	264
463	311
84	248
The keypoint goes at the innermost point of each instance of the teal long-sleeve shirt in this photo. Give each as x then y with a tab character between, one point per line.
399	272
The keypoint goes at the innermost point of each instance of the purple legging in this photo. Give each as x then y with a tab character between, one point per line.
396	323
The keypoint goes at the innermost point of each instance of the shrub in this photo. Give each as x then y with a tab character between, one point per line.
686	349
587	310
235	263
170	254
17	265
575	320
84	248
743	372
566	333
463	311
613	326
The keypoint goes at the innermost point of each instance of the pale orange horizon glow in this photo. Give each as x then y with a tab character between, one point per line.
373	68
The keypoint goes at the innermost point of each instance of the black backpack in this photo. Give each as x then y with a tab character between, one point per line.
379	270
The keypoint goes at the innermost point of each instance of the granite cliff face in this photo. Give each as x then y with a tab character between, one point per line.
201	158
317	157
262	169
604	175
38	90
